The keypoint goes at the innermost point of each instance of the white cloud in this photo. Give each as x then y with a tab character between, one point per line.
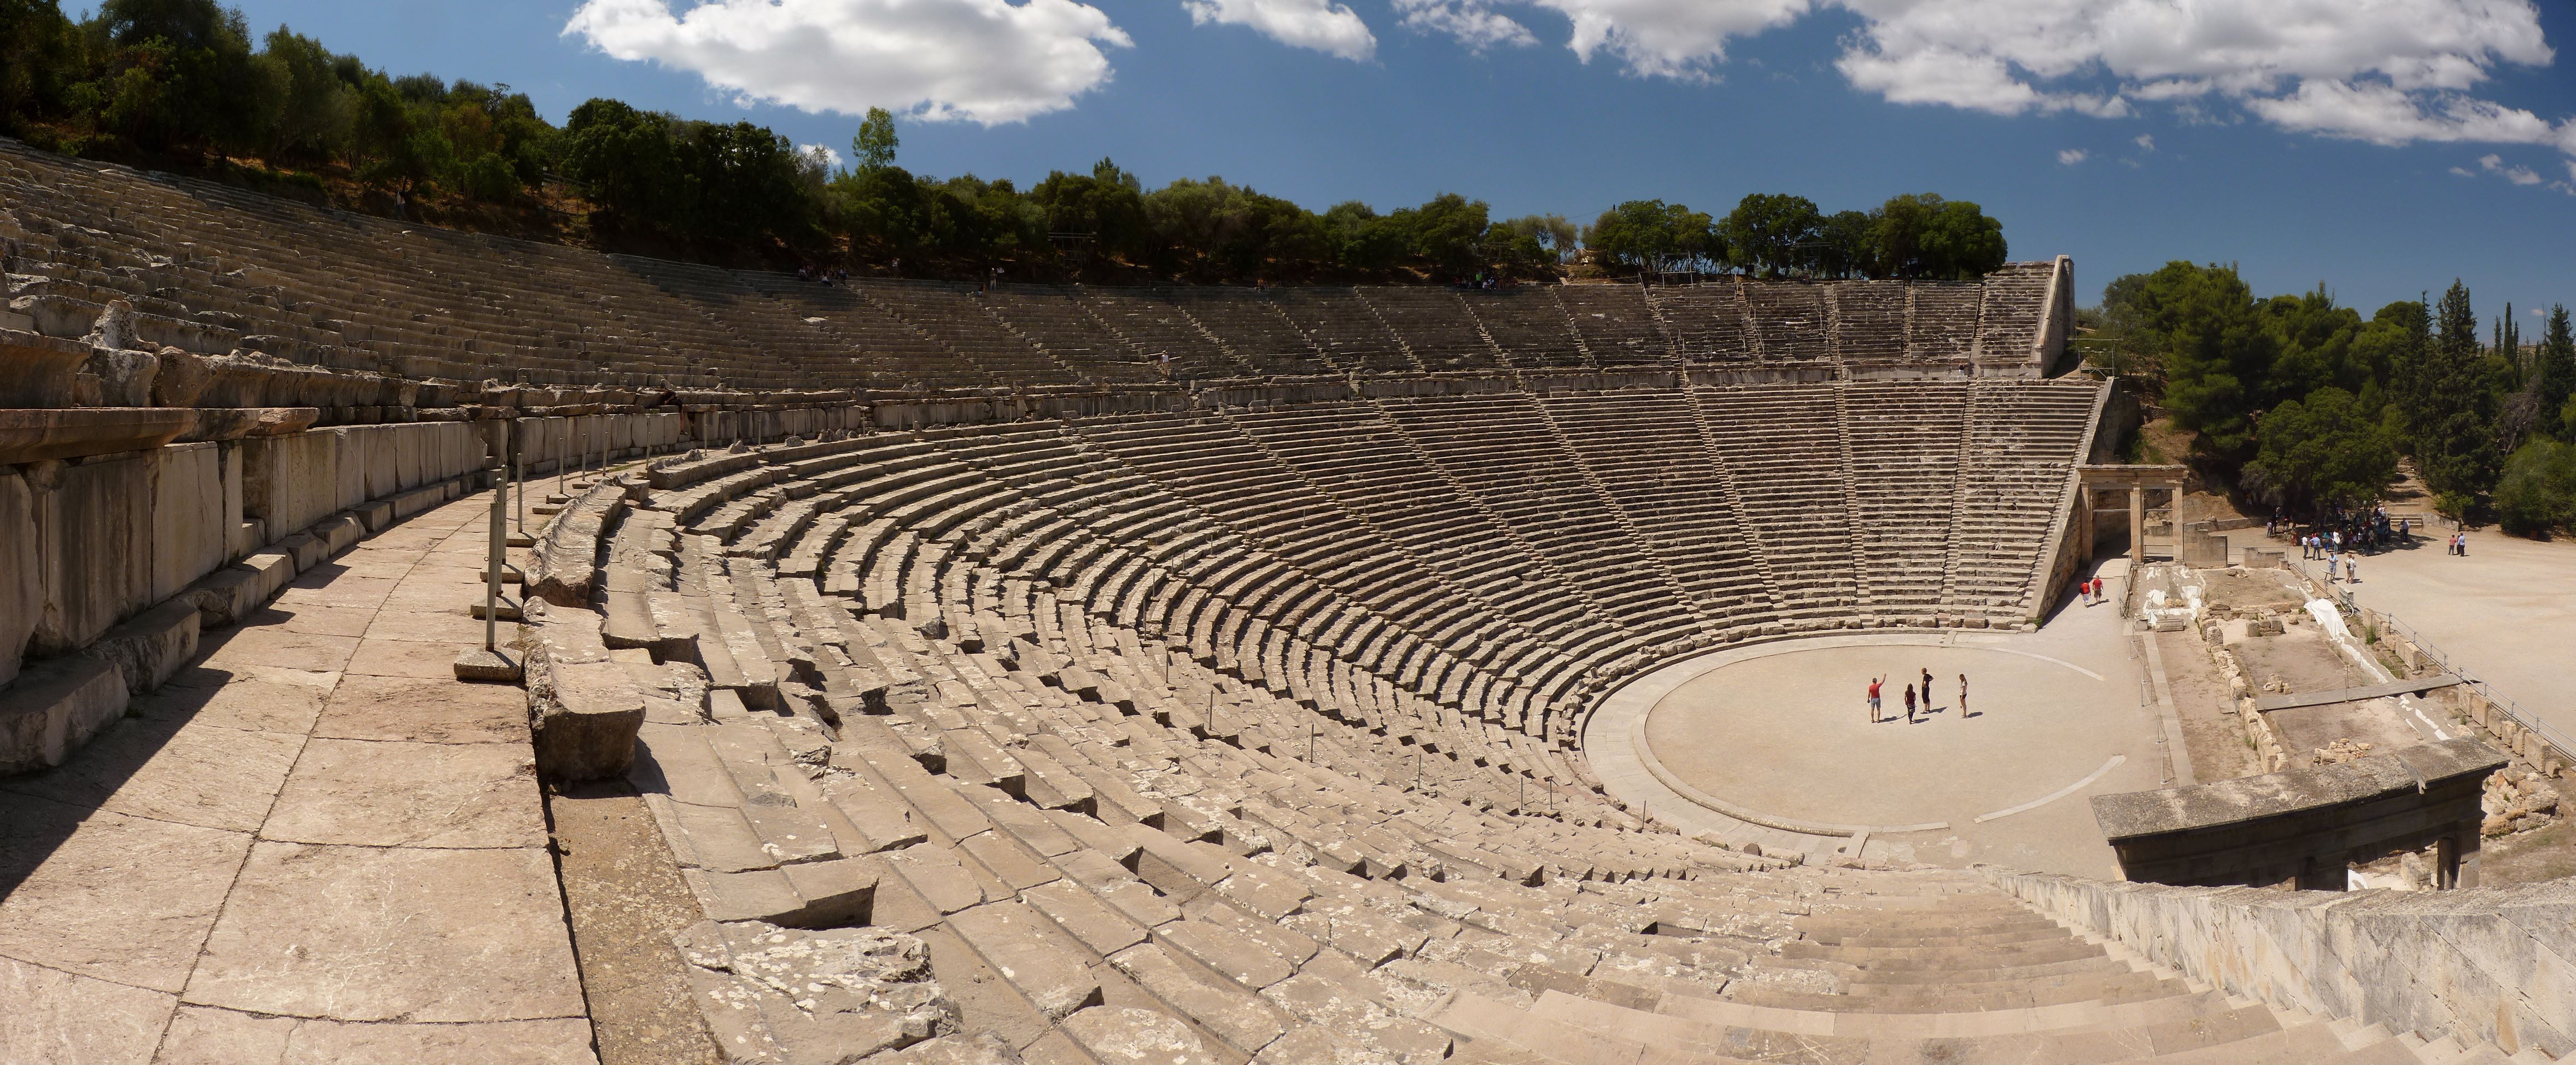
2384	71
2145	142
986	61
1470	21
1327	27
2071	156
2464	171
1682	39
2519	175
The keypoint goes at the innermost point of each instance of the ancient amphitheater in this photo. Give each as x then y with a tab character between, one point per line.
888	672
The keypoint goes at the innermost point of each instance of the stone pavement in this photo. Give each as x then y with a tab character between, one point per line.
312	845
2503	614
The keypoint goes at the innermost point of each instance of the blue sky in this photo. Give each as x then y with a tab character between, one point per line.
2234	173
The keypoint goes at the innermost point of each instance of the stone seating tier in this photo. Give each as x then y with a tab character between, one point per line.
1128	793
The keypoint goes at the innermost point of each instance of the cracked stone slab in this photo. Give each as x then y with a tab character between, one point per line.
402	794
202	1035
261	698
119	898
53	1015
429	711
374	934
172	770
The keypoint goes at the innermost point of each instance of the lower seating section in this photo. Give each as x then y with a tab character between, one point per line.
1999	527
1140	779
1905	439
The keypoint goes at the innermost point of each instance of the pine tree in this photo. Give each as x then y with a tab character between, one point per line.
2554	372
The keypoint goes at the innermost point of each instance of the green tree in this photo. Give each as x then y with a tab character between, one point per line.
41	55
2201	325
2315	340
2554	372
1843	244
1772	233
1923	235
873	147
2450	405
2538	490
2320	451
1652	234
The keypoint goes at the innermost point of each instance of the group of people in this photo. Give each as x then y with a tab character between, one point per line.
832	276
2459	545
2089	591
1876	715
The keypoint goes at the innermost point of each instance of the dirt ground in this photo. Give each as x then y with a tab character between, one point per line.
2243	589
2304	729
625	899
2529	857
2211	732
2301	657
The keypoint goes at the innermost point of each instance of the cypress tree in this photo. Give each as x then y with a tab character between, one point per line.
2554	372
2452	413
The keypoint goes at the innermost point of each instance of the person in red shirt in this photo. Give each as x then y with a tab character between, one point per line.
1873	699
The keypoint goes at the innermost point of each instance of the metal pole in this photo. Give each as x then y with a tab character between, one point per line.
492	565
518	470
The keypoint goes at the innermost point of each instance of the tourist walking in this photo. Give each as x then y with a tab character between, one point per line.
1963	696
1927	691
1909	704
2351	570
1874	717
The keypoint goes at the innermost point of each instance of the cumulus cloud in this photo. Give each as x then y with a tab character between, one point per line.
2071	156
1682	39
1327	27
821	155
2384	71
986	61
2146	142
1471	22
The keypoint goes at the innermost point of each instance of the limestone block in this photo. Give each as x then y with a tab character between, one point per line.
386	448
587	721
338	533
54	708
226	596
180	379
153	646
35	435
124	377
22	583
36	370
275	567
289	481
349	467
189	524
95	526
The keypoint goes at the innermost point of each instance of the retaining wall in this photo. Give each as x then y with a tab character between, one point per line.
2491	965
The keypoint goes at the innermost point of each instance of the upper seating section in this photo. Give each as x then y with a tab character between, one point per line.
217	270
